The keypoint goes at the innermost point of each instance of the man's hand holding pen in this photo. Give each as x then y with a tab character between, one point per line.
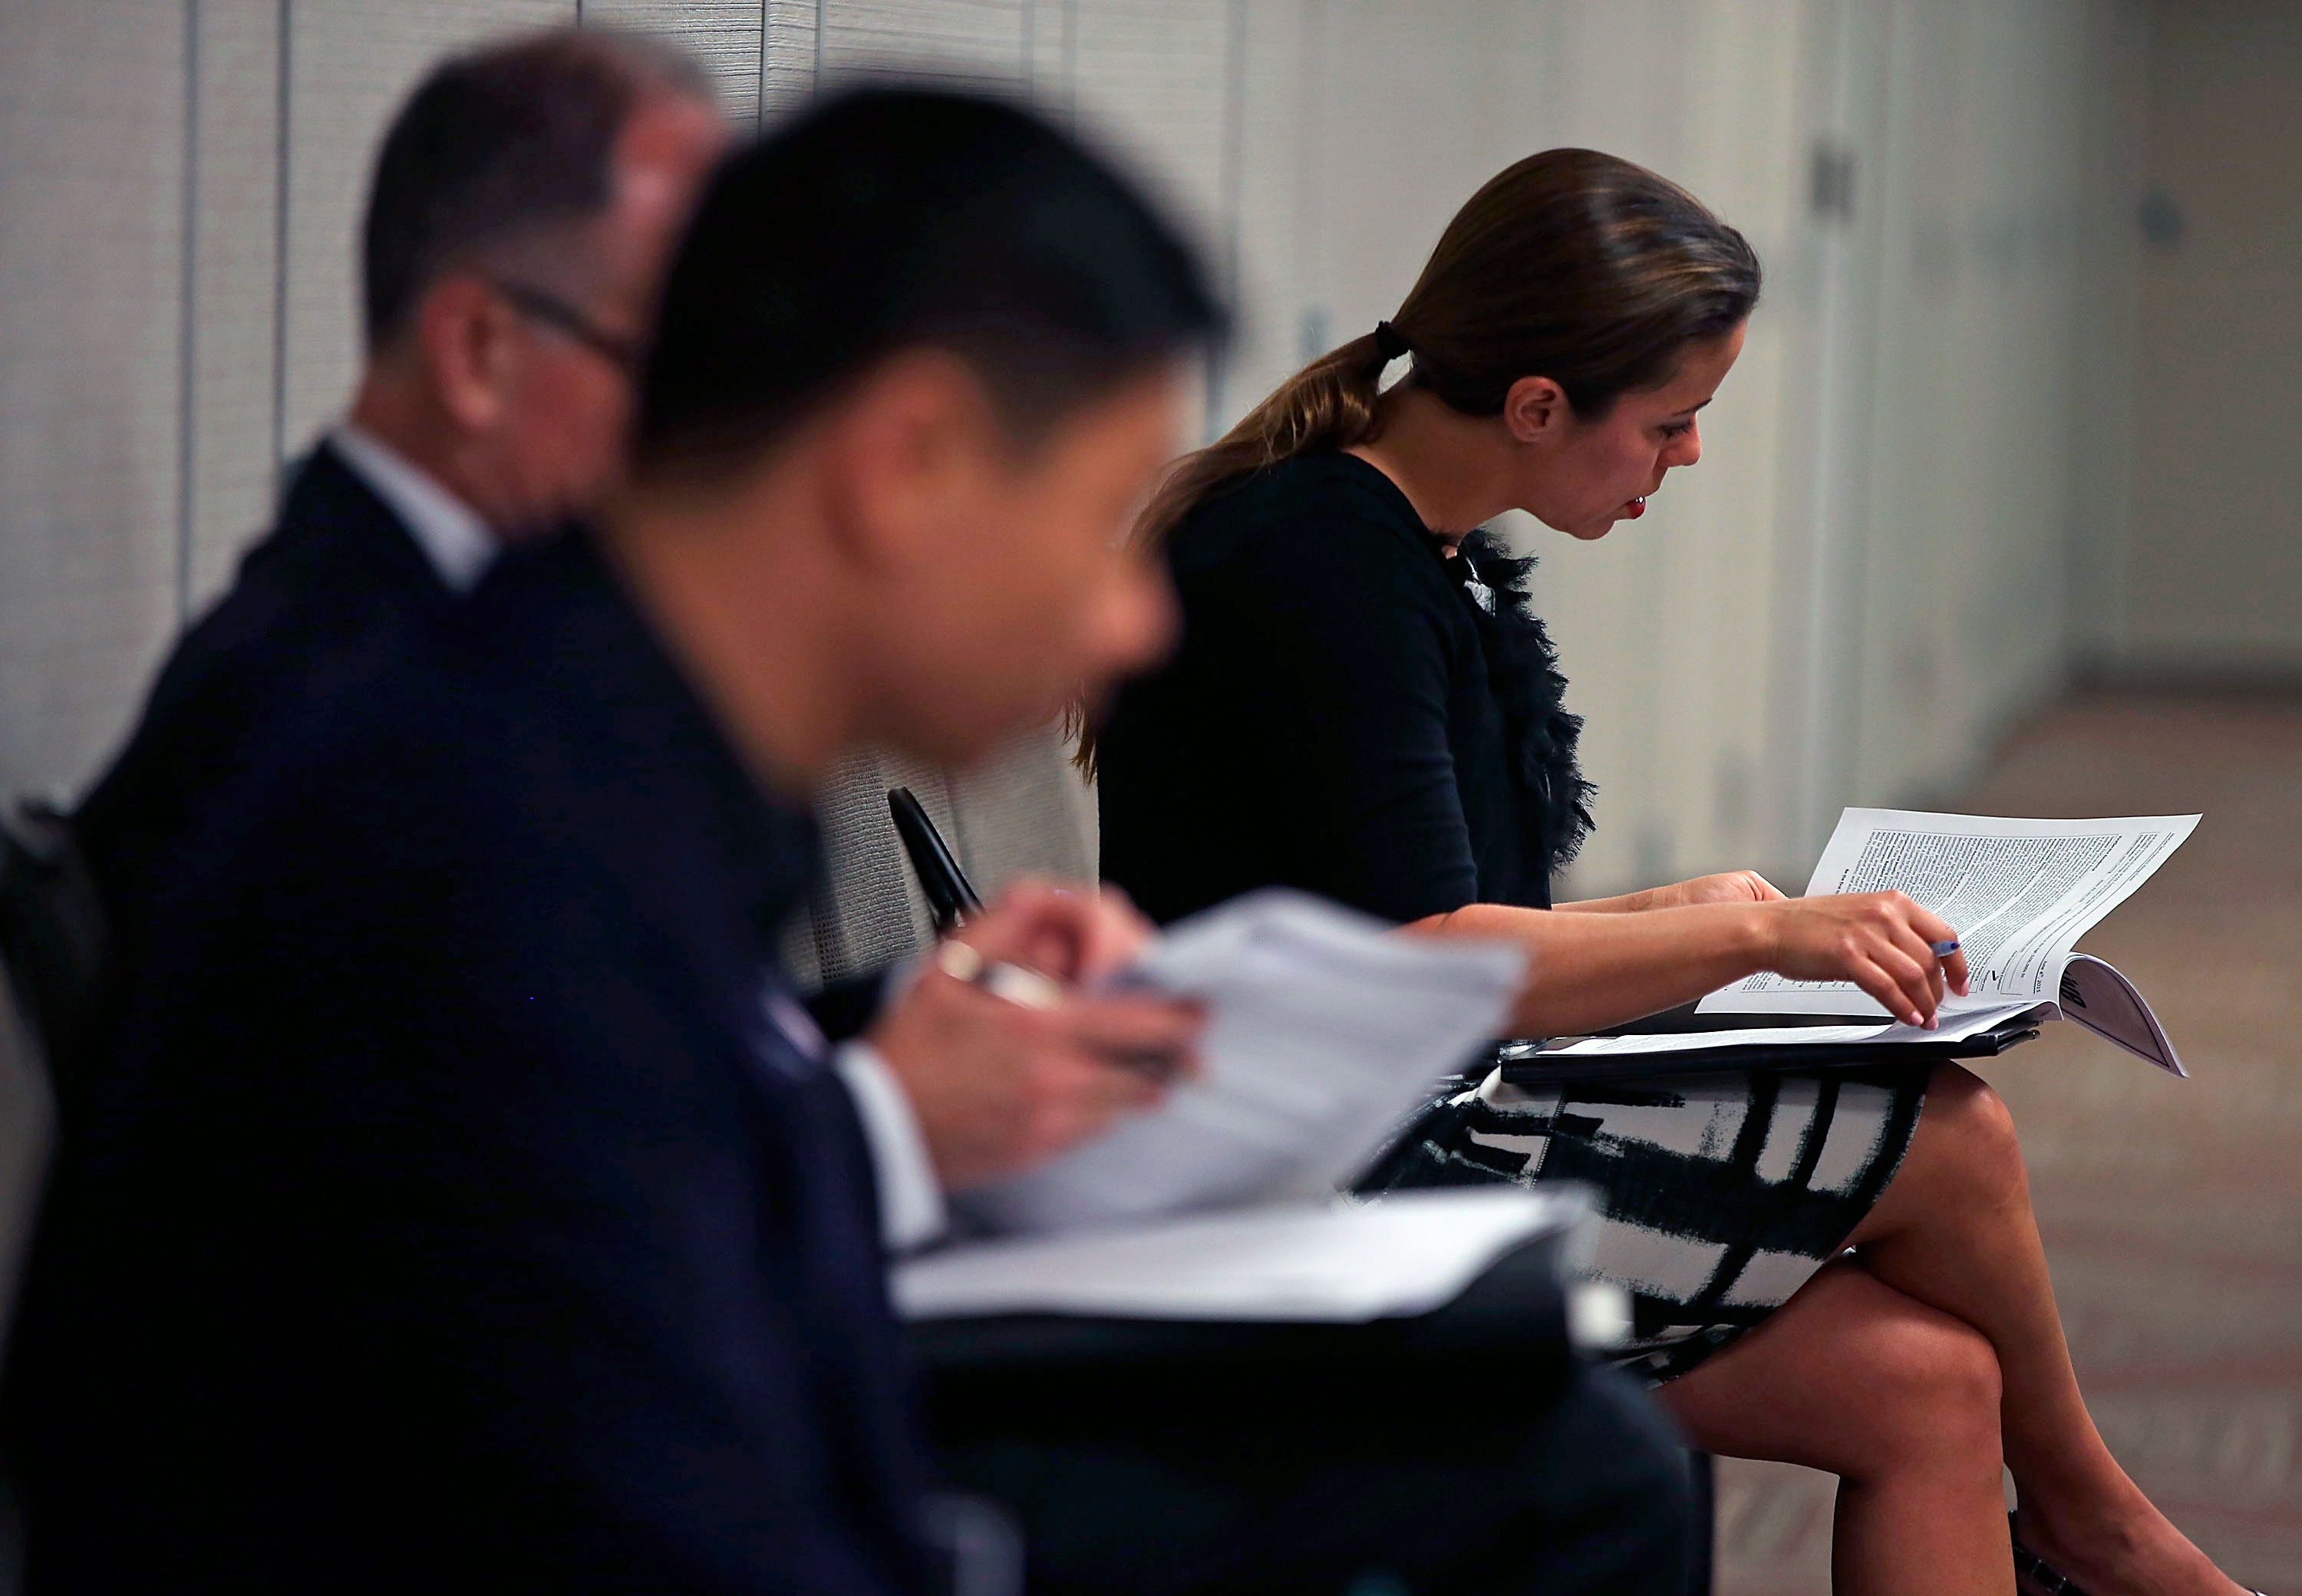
1012	1046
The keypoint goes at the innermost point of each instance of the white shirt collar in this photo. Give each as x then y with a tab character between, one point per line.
451	533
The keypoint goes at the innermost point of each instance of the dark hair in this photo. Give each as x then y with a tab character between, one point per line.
1569	264
889	218
498	144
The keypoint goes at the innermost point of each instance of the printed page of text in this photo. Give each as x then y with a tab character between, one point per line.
2020	894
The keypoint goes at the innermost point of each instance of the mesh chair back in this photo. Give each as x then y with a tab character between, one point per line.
1024	810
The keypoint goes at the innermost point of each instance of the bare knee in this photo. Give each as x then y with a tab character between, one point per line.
1933	1391
1972	1128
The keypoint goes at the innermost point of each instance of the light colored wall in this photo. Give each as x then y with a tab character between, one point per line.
2215	581
1879	561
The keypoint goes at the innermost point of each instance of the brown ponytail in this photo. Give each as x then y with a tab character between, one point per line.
1328	404
1569	264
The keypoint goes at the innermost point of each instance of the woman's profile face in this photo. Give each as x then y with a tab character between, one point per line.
1590	475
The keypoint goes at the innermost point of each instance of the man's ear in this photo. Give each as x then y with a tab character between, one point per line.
911	448
464	335
1536	409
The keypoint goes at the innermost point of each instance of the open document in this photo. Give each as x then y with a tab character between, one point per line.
2018	893
1323	1027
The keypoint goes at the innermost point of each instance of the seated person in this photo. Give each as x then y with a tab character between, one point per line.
466	1200
524	203
1835	1269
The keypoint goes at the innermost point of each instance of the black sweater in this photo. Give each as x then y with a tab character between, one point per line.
1346	714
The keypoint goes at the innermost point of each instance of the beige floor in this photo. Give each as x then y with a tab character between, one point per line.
2173	1210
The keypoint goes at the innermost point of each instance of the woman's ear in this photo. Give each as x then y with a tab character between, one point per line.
1536	409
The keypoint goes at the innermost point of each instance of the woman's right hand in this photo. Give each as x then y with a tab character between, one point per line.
1878	940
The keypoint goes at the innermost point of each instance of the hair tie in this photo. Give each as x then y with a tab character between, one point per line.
1389	342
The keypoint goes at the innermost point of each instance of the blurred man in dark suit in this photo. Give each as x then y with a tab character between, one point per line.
523	207
467	1202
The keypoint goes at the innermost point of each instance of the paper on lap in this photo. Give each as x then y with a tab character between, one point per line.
1323	1027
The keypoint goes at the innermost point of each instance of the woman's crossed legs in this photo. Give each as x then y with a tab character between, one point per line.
1913	1368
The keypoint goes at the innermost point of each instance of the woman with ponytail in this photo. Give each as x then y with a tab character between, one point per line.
1838	1269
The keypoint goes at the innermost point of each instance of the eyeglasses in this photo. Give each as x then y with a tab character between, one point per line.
625	354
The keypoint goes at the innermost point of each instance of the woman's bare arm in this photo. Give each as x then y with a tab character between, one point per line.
1590	971
1733	886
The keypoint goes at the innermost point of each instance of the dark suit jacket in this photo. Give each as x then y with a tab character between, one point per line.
1331	720
462	1204
321	608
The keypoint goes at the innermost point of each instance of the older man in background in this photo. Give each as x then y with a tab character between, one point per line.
524	205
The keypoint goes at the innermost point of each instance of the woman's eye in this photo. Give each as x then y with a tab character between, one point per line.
1677	429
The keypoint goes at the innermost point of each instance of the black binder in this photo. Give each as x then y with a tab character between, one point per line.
1526	1062
991	1373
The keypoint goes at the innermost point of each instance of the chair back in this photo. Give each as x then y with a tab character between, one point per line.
1024	810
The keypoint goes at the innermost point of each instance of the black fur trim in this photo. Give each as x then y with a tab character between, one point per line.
1523	665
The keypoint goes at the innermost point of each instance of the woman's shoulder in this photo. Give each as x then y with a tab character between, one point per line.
1326	507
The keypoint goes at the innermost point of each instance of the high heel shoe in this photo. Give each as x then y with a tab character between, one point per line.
2043	1575
2028	1564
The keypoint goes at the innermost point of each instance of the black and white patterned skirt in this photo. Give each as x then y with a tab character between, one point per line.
1719	1194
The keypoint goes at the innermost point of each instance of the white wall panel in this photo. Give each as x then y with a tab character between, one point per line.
1716	528
979	42
1051	55
1401	149
1152	83
787	71
234	264
724	34
1151	79
1277	288
1963	598
91	176
350	62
